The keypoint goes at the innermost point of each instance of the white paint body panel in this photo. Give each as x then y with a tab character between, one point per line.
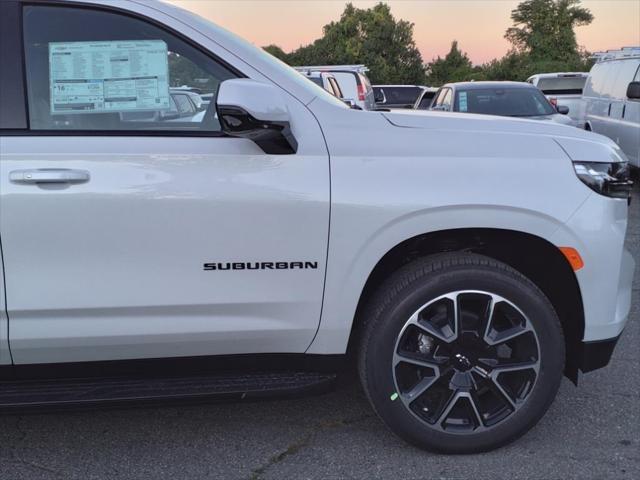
112	268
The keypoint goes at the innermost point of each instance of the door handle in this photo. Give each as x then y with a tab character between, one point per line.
49	175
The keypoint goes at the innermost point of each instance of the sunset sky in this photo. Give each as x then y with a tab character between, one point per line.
478	25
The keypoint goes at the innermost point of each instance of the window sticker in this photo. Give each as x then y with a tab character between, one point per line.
116	76
462	101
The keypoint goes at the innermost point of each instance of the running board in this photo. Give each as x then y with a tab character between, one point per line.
23	394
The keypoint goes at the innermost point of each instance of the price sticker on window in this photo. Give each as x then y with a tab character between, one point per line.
114	76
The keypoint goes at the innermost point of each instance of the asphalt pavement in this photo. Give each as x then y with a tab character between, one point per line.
590	432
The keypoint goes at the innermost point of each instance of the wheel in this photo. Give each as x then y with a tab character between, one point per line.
460	353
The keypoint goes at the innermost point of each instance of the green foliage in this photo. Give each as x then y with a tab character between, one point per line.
454	67
544	29
518	66
370	36
183	71
542	37
277	52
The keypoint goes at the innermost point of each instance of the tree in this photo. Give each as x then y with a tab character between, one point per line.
277	52
544	29
370	36
454	67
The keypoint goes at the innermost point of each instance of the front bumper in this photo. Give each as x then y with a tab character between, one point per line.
597	354
597	230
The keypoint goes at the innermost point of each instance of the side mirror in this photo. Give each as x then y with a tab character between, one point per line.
379	97
440	108
562	109
256	111
633	90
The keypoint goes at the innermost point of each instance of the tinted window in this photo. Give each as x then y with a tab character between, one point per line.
425	101
512	102
402	95
96	70
562	85
317	81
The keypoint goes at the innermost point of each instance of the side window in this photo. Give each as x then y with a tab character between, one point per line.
625	76
336	88
92	69
185	107
446	101
611	78
594	85
437	100
426	100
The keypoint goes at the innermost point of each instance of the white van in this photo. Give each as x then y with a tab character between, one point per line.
353	81
612	99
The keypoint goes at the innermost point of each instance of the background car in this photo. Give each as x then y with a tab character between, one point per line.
612	99
423	102
563	89
396	96
325	80
353	82
508	99
183	109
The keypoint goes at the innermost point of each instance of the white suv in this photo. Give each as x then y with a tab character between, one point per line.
466	261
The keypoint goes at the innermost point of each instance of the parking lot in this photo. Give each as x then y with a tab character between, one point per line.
592	431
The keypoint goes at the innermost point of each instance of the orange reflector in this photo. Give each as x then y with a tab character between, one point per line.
573	257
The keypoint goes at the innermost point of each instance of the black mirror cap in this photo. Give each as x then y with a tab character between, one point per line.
274	138
633	90
562	109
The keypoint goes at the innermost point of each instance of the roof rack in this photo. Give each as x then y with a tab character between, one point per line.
624	52
321	68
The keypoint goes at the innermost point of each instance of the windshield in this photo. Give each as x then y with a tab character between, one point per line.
509	102
562	85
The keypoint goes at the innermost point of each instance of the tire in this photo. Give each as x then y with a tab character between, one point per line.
460	353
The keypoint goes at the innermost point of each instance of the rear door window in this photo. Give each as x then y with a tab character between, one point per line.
425	101
562	85
95	70
402	95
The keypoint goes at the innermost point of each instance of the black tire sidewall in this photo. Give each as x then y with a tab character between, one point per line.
386	327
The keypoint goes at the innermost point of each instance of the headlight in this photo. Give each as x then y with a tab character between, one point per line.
610	179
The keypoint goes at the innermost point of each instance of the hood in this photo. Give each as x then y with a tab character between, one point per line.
556	117
579	145
484	123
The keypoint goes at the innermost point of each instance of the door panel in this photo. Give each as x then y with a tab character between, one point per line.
5	357
112	268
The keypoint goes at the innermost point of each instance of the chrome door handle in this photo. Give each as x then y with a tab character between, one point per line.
49	175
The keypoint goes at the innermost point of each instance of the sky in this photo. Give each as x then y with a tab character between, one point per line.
478	25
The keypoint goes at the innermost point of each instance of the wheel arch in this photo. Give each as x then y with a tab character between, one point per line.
533	256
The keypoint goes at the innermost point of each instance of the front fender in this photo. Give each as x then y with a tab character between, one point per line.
346	277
